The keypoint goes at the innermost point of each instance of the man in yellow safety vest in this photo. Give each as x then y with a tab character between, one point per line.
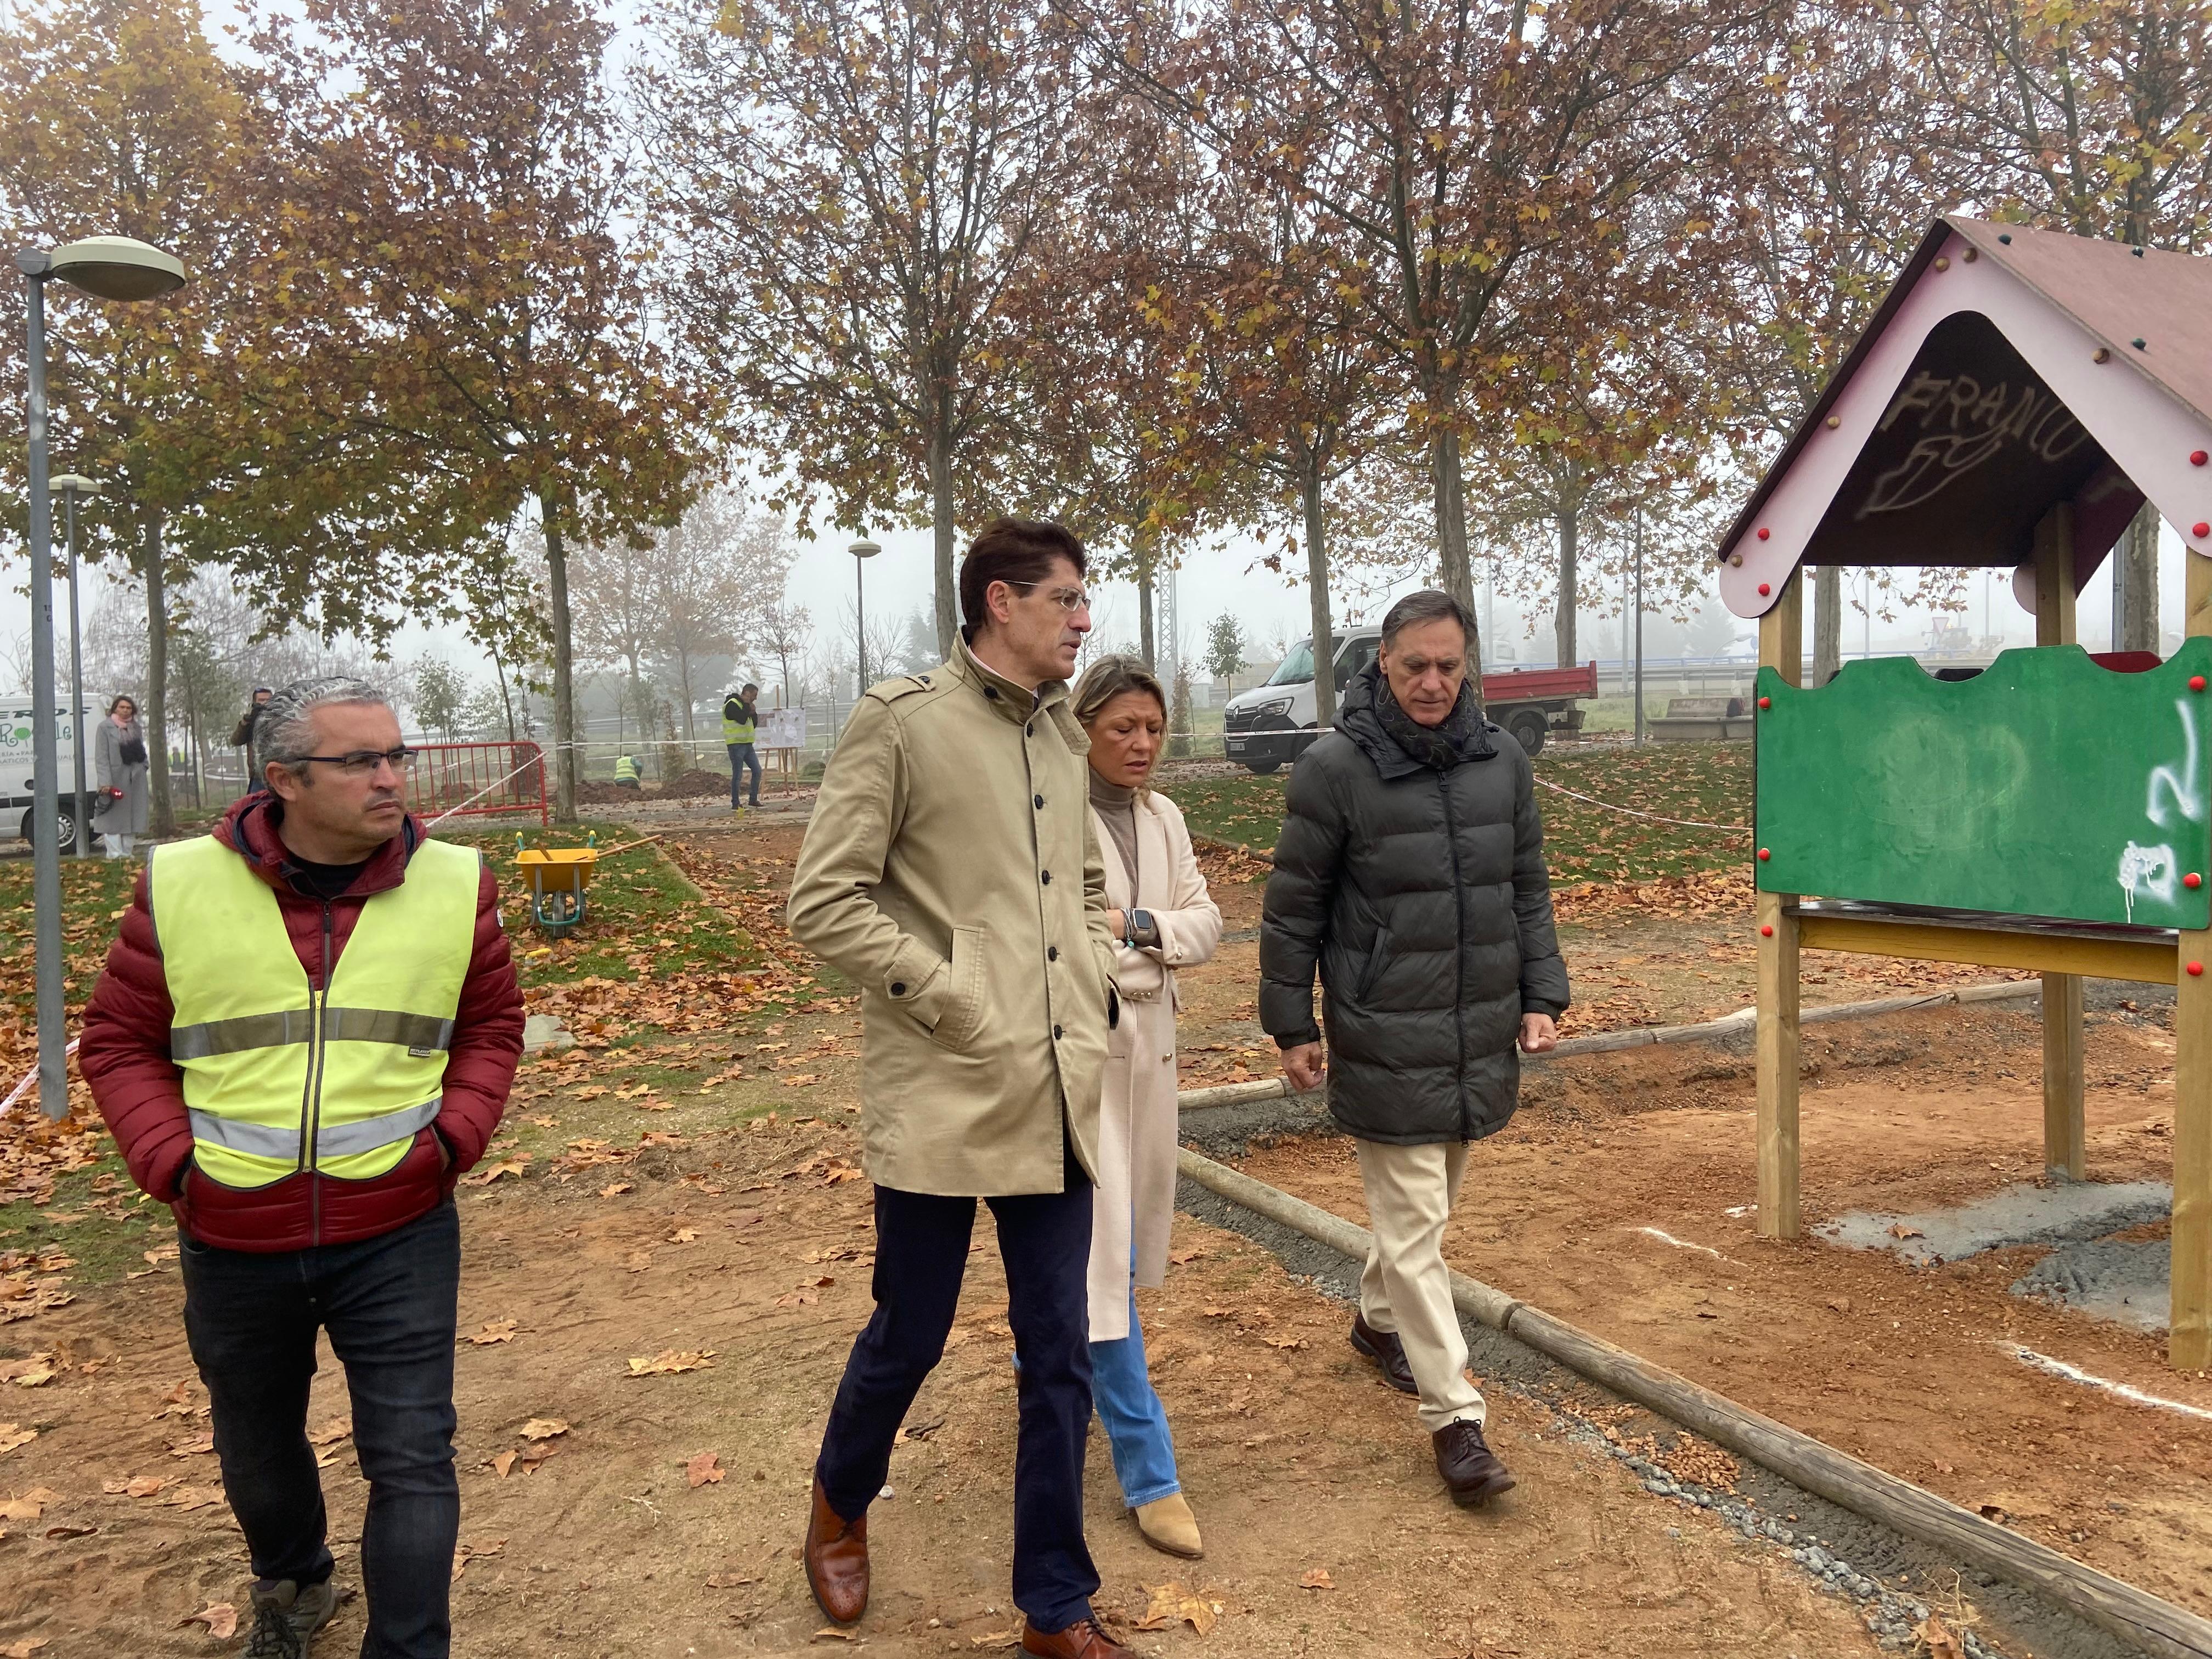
740	724
306	1031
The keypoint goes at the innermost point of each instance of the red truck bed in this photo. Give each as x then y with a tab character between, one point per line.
1532	684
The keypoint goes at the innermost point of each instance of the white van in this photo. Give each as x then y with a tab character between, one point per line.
1272	724
17	782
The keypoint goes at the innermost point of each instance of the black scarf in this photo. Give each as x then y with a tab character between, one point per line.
1460	736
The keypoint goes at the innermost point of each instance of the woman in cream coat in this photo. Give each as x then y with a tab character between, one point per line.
1162	920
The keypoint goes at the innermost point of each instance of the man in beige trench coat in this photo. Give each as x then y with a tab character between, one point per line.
951	872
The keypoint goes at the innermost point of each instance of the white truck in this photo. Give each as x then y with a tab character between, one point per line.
1273	724
15	772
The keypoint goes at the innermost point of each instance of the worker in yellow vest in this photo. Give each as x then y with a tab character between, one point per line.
306	1033
740	724
626	772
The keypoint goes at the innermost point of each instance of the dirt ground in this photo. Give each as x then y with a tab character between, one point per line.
727	1234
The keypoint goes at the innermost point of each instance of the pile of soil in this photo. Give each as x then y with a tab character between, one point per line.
692	784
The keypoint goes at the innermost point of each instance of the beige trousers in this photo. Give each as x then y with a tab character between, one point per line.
1406	1286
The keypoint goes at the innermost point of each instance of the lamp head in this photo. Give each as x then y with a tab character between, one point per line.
117	268
73	483
865	548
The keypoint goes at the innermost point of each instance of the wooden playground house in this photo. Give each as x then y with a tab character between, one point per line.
2017	398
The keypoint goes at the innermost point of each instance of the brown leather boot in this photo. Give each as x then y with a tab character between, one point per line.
1086	1638
1388	1353
1469	1467
837	1559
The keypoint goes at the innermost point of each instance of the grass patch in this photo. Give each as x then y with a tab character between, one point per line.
95	1220
1707	781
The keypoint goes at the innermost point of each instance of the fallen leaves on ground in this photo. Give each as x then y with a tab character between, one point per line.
1939	1639
330	1432
220	1618
465	1553
669	1361
12	1435
1174	1604
21	1509
544	1428
24	1649
1316	1578
705	1470
495	1330
519	1164
32	1373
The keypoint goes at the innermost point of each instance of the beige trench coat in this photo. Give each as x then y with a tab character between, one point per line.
1137	1126
951	870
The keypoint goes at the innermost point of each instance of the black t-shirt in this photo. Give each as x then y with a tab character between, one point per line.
322	881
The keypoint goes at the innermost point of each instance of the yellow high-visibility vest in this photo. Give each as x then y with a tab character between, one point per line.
278	1076
625	770
737	730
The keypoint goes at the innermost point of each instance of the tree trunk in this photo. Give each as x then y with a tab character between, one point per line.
940	519
564	686
1145	559
1563	620
161	819
505	701
1324	629
2138	550
1451	491
1827	622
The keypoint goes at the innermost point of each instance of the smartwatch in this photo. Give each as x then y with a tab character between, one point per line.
1141	931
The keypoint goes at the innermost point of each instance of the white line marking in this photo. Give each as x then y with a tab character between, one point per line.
1681	1243
2044	1362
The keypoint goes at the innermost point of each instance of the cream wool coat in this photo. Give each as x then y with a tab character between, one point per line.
1134	1200
951	870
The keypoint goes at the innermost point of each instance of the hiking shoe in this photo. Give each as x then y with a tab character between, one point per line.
286	1617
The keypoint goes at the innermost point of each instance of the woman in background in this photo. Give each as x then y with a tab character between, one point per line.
1164	919
119	775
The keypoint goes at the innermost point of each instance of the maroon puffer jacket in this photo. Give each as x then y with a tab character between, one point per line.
124	1057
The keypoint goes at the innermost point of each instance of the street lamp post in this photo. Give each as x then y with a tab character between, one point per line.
108	268
74	487
862	551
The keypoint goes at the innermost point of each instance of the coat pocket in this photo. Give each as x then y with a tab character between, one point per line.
1378	958
963	1018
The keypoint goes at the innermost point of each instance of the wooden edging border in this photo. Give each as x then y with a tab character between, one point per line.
2155	1626
1999	990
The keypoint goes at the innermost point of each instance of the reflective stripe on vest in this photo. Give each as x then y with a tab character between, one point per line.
625	770
739	731
280	1076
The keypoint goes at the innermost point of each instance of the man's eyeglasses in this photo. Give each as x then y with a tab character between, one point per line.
1070	599
360	763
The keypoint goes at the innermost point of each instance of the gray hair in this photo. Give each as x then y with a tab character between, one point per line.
282	731
1429	605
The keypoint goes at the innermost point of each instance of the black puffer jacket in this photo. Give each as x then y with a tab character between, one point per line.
1422	898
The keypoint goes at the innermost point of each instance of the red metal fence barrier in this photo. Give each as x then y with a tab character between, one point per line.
475	780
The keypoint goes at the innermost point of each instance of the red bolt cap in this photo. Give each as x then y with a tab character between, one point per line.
1767	931
1763	590
2199	530
2197	458
1763	533
2193	881
1766	703
2196	682
2196	971
1764	854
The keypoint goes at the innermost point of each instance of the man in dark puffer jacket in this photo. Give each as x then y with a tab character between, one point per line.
1410	871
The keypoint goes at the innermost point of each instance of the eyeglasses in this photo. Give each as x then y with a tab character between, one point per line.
360	763
1070	599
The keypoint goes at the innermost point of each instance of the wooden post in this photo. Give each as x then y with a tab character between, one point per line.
2064	1149
2188	1346
1781	647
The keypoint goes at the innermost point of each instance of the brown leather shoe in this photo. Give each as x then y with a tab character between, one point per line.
1388	1353
1086	1638
1469	1467
837	1559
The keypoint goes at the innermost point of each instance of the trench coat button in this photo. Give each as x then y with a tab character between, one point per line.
1052	953
1055	1034
1029	731
991	692
1047	877
898	987
1039	800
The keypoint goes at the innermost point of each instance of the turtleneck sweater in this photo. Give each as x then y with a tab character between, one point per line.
1116	804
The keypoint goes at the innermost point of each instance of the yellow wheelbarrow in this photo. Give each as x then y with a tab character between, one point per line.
558	876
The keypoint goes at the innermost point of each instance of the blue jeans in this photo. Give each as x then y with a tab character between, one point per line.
741	756
921	1256
389	1305
1136	1423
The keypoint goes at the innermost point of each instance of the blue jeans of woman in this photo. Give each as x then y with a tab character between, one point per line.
1136	1423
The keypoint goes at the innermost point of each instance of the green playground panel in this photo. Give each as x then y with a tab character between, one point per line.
2046	786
